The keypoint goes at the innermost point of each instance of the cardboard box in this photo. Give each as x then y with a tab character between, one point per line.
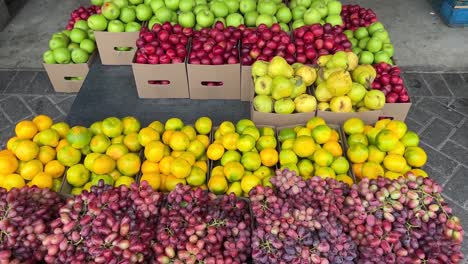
274	119
60	75
108	42
148	79
226	76
247	83
368	117
397	111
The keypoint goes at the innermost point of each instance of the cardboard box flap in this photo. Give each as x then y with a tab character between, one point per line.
214	81
109	42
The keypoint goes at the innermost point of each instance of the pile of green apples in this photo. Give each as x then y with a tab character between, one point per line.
309	12
71	46
372	44
205	13
120	15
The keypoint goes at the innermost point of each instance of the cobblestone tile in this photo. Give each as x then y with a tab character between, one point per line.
460	105
5	134
21	83
59	97
416	84
461	136
440	109
42	105
438	161
456	187
438	176
15	109
413	125
66	104
41	84
456	84
456	151
5	78
436	84
4	122
436	132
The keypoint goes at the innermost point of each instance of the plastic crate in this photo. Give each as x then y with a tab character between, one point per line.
454	16
458	3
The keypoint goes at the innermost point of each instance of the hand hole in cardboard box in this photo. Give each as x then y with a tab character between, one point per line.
206	83
123	48
71	78
159	82
386	117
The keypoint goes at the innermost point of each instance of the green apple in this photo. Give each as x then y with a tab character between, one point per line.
55	43
356	50
163	14
382	34
354	42
115	26
267	8
311	16
205	18
264	19
97	2
152	22
388	48
298	12
91	35
298	23
88	45
133	27
174	18
250	18
349	34
187	19
147	2
374	45
200	2
108	180
334	8
219	9
284	27
363	43
334	20
220	19
374	100
361	33
97	22
186	5
374	27
292	4
284	14
127	14
366	57
234	19
67	32
305	3
143	12
77	35
246	6
233	6
321	7
198	27
381	56
62	55
110	10
48	57
79	55
120	3
82	24
74	45
172	4
357	93
156	4
135	2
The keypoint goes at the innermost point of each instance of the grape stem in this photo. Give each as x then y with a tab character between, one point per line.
217	223
266	245
437	199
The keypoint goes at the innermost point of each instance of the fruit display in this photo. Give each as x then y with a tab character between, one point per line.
243	156
314	150
82	13
308	12
355	16
71	46
371	43
216	46
25	217
175	153
386	149
198	227
163	44
342	85
108	150
282	88
263	43
31	155
105	225
120	16
389	81
317	40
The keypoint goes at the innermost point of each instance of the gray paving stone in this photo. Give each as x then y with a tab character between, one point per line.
460	105
419	115
455	151
456	84
66	104
5	134
438	161
436	84
59	97
461	135
413	125
42	105
458	211
41	84
436	132
416	84
5	78
434	106
438	176
4	122
15	109
456	187
21	83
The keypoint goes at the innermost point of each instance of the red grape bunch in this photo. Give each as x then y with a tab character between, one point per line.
24	217
82	13
106	225
354	16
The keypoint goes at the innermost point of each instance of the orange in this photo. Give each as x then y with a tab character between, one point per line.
325	172
217	135
96	128
398	150
218	170
252	131
166	137
115	174
357	153
78	175
242	124
56	185
62	143
62	129
204	139
203	125
189	157
153	179
47	137
149	167
288	143
410	139
165	165
115	151
176	154
146	135
26	129
179	141
226	127
197	177
251	161
286	133
334	136
304	146
375	155
246	143
323	158
367	128
89	160
129	164
46	154
112	127
266	141
217	184
315	121
269	157
31	169
233	171
154	151
190	132
124	180
419	172
43	122
235	188
158	126
345	178
230	155
291	166
321	133
13	181
68	156
415	156
357	138
230	141
392	175
99	143
54	168
248	182
174	124
79	137
357	170
267	131
7	152
334	148
131	141
353	126
287	156
372	134
386	140
398	127
171	182
215	151
11	142
42	180
371	170
8	164
304	131
180	168
130	125
117	139
340	165
103	165
197	148
306	168
263	172
382	123
202	165
26	150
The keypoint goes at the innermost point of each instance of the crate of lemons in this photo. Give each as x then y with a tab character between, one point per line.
314	150
243	156
177	155
31	155
386	149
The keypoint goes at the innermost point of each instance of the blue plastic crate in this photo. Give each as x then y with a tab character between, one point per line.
454	16
458	3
